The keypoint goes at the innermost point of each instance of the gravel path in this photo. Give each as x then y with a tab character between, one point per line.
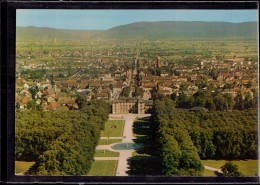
111	138
213	169
106	158
20	173
123	166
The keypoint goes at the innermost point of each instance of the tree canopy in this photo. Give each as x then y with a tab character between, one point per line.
229	169
60	142
186	137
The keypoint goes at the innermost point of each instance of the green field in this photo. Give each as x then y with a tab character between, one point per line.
113	128
103	168
135	153
22	166
106	153
209	173
246	167
109	141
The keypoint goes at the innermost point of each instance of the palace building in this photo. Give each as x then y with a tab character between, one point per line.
130	105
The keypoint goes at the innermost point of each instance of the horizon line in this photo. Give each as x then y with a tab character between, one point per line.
133	23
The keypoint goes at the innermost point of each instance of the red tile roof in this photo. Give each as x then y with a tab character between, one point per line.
25	100
52	106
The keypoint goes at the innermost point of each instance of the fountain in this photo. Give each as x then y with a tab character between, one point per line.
126	146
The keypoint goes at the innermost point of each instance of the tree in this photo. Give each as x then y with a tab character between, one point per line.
210	104
113	68
52	79
229	169
176	73
61	76
125	92
255	100
214	73
31	104
111	87
174	96
33	92
230	101
17	105
80	100
155	71
220	102
249	84
35	74
69	68
248	102
239	102
139	92
170	154
183	101
200	98
202	83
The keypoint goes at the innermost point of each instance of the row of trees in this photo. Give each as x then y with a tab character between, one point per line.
60	142
215	101
221	135
186	137
34	74
177	152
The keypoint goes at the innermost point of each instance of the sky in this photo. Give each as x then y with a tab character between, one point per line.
106	19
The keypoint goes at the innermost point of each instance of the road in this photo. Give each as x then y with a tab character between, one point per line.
213	169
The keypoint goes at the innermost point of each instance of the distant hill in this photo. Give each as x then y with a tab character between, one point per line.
41	33
168	30
149	30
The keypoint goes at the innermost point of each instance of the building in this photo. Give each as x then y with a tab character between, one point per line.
130	105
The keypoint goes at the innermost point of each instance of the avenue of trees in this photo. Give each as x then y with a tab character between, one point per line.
60	142
186	137
177	152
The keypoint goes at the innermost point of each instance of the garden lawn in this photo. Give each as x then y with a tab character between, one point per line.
209	173
246	167
135	153
113	128
106	153
22	166
103	168
109	141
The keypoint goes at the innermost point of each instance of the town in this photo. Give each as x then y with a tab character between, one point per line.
58	75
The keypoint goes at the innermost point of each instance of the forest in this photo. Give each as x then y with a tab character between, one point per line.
60	142
186	137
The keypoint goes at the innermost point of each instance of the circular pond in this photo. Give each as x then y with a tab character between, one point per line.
125	146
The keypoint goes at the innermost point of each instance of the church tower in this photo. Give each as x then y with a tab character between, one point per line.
158	62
